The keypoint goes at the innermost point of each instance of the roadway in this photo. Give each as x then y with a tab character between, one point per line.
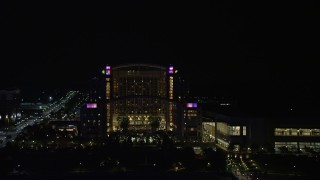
9	134
56	106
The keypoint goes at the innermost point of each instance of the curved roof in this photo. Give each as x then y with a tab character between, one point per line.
129	66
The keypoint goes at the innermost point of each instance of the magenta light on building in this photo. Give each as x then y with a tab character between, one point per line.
92	105
171	69
192	105
108	70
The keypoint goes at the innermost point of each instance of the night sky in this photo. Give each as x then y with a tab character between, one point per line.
256	50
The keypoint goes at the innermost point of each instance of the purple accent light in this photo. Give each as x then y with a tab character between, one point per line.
192	105
91	105
171	69
108	70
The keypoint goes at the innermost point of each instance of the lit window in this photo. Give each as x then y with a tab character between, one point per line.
244	130
234	130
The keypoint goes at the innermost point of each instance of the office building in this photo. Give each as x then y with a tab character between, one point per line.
270	134
92	113
192	121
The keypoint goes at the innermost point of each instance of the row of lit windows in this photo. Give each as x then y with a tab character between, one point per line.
108	88
171	88
139	77
132	100
123	112
191	115
225	129
125	87
138	120
171	112
236	130
118	94
139	86
136	104
155	83
293	146
92	123
140	109
108	114
139	106
296	132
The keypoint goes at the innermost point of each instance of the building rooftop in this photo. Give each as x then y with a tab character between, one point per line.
140	66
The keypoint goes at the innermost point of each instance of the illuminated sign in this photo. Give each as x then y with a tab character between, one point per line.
171	70
192	105
108	70
92	105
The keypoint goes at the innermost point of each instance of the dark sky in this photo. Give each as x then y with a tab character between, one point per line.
253	49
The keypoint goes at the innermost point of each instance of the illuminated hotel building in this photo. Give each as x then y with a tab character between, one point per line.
140	93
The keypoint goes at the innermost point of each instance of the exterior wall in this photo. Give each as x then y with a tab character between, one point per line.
208	131
229	134
301	138
138	94
141	93
92	121
271	134
192	122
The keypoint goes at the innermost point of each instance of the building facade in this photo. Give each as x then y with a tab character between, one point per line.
9	106
273	134
92	120
192	122
297	135
93	112
141	96
228	133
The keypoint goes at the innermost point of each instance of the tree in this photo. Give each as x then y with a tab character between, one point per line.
283	149
124	123
155	123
